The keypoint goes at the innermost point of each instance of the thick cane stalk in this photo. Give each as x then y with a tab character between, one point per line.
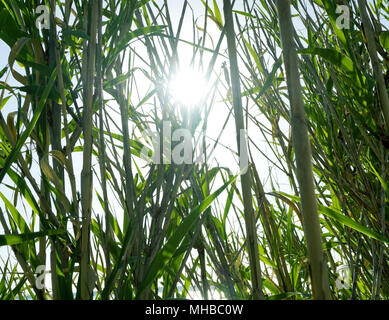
301	145
86	176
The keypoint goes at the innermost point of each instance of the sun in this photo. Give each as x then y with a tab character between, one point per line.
187	87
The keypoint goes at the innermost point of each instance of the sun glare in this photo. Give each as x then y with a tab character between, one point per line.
187	87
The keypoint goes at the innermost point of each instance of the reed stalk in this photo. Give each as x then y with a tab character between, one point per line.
302	148
251	232
86	175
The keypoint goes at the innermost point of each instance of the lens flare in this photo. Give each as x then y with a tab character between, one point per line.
187	87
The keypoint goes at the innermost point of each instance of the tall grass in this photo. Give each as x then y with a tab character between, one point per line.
78	198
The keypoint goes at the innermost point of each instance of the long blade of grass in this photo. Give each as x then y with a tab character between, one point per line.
21	141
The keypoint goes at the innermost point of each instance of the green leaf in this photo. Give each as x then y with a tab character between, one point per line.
330	7
24	190
384	40
244	14
12	239
21	141
270	286
270	78
21	223
140	3
382	181
339	217
333	56
9	31
218	15
37	66
268	261
268	82
281	296
4	101
123	44
174	242
4	70
75	33
318	2
116	80
253	54
12	295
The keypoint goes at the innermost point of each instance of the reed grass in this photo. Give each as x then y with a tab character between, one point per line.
77	197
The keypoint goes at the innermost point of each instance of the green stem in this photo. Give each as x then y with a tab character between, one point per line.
252	242
301	145
86	175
